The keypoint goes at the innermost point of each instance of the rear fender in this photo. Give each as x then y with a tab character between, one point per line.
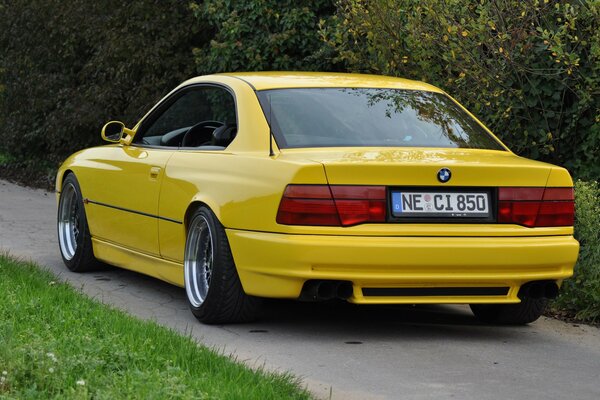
559	177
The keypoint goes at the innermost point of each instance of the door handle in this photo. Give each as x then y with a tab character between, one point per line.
154	171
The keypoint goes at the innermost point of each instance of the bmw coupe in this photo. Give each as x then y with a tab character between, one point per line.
315	186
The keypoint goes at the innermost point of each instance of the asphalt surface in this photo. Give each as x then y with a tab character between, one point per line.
341	350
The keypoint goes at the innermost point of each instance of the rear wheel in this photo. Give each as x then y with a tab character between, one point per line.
212	285
528	310
74	237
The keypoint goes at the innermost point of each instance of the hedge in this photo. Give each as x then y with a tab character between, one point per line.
266	35
581	294
67	67
529	69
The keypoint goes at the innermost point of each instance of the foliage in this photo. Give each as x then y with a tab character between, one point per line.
250	35
56	343
67	67
581	294
530	69
4	158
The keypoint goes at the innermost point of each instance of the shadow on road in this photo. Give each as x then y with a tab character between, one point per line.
337	320
419	322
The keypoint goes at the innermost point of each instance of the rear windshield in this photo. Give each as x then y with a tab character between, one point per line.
351	117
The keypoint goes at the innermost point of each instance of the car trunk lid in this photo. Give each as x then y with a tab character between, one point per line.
420	167
416	171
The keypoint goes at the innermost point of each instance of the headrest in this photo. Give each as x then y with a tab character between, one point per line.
223	135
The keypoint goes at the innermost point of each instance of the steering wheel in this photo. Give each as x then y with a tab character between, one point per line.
188	138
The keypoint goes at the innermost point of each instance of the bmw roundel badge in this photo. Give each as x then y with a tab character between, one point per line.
444	175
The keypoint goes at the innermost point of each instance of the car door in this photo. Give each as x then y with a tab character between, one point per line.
123	201
122	197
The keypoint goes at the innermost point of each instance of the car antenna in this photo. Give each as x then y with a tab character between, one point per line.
271	154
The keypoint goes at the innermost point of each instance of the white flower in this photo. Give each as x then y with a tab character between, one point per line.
4	373
80	382
2	379
52	283
51	356
51	370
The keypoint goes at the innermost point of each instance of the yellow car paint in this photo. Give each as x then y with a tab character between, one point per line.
400	261
281	80
126	170
243	186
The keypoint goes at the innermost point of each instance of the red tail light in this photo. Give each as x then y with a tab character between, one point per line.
307	205
332	205
324	205
536	207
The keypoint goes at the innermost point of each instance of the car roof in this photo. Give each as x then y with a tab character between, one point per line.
282	80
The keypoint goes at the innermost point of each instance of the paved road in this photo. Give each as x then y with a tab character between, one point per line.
434	352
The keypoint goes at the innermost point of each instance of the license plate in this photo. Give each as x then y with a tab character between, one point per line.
440	204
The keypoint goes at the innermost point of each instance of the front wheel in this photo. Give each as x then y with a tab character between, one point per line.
74	239
212	285
528	310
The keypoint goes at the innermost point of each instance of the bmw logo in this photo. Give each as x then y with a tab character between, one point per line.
444	175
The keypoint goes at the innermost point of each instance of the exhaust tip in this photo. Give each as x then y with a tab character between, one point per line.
345	290
539	290
536	290
323	290
326	290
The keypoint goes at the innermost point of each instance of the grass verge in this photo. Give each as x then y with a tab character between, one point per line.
55	343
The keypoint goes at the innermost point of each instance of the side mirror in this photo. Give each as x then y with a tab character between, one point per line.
115	132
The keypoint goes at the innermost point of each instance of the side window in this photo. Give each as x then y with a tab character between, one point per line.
201	116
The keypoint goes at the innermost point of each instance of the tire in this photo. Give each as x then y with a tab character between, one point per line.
212	284
528	310
74	239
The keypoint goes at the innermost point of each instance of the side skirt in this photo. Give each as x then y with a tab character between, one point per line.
122	257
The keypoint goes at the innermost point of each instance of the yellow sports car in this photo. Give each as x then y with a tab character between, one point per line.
316	186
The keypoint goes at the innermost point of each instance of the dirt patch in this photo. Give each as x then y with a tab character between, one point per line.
25	175
569	317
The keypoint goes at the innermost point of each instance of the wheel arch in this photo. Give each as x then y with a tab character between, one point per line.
224	300
194	205
62	175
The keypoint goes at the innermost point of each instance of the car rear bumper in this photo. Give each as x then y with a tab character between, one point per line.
277	265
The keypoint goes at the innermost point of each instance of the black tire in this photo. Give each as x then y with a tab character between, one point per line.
214	291
528	310
76	249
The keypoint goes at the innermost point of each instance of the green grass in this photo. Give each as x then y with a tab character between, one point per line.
55	343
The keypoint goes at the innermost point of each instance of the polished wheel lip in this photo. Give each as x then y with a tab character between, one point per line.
68	221
198	264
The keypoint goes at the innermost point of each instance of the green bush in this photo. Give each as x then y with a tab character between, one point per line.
266	35
67	67
529	69
581	294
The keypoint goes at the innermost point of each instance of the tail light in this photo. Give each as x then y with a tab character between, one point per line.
341	205
536	207
332	205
